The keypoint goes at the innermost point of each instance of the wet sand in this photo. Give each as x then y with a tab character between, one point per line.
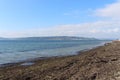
101	63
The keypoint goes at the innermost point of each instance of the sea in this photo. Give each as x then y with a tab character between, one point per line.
12	51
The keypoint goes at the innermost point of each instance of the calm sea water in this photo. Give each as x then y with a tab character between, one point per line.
18	50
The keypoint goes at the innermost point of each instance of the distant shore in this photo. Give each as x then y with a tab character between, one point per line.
101	63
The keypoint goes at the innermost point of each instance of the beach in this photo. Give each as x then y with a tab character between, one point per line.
100	63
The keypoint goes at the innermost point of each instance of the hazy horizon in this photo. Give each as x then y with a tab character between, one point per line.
38	18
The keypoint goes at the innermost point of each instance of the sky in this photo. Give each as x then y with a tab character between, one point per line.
84	18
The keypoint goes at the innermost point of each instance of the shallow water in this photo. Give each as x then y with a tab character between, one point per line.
27	63
19	50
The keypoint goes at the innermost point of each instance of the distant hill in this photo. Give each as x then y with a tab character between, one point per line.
3	38
57	38
51	38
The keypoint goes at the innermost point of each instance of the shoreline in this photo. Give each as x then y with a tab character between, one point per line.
42	58
100	63
33	60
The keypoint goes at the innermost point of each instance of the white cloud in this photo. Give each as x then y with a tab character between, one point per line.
73	13
100	29
113	30
110	10
78	13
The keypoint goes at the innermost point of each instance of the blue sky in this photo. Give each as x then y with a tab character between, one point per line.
86	18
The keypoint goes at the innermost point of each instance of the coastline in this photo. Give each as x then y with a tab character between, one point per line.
100	63
33	60
18	54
